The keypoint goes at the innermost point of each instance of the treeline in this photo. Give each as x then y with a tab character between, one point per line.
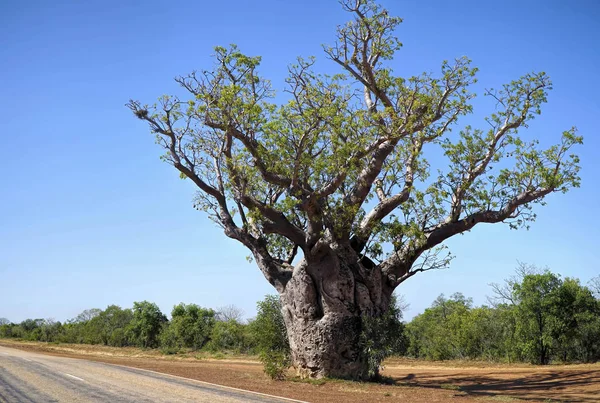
191	328
535	317
194	328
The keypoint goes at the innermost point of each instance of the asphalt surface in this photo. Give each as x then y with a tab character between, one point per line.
30	377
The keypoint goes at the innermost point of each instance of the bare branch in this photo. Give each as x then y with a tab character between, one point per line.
230	313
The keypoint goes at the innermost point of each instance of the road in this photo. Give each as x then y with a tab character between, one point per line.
30	377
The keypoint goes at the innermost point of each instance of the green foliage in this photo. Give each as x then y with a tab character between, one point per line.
536	300
257	162
191	326
270	337
146	324
542	319
440	332
169	340
275	364
109	327
6	330
382	337
229	336
556	319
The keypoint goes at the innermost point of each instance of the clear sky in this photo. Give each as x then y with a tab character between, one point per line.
89	216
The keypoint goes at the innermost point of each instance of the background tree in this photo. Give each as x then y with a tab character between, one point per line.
229	335
87	315
191	325
587	337
575	314
31	329
536	317
488	333
595	285
554	319
229	313
109	327
146	324
330	191
439	332
537	299
6	328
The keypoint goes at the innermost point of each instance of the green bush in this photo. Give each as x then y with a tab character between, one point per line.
270	337
382	337
275	364
6	330
145	326
230	335
169	342
190	326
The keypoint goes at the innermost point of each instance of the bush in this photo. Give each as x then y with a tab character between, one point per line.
270	337
6	330
275	364
145	326
229	335
169	342
382	337
191	326
118	338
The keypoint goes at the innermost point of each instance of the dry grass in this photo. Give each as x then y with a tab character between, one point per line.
127	352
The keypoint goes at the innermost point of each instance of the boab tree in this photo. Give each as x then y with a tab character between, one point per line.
330	190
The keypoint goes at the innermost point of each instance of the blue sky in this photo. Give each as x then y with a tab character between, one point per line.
91	217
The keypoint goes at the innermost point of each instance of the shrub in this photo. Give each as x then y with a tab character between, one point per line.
191	325
275	363
382	337
270	337
229	335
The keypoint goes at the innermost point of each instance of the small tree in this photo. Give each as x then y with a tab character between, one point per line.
439	332
86	315
7	330
229	312
336	174
191	325
269	333
575	312
595	286
536	296
108	327
228	335
548	318
146	324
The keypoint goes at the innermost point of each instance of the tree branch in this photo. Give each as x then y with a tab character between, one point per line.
441	232
512	121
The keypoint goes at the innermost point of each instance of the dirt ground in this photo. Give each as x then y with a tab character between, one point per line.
410	381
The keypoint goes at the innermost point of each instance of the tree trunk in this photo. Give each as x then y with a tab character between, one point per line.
323	305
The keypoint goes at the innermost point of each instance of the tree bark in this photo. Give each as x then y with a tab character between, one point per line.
323	305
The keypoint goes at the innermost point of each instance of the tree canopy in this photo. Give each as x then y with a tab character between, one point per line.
343	157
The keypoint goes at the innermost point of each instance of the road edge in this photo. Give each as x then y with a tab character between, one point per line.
166	374
209	383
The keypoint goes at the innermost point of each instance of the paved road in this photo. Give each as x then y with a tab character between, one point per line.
29	377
